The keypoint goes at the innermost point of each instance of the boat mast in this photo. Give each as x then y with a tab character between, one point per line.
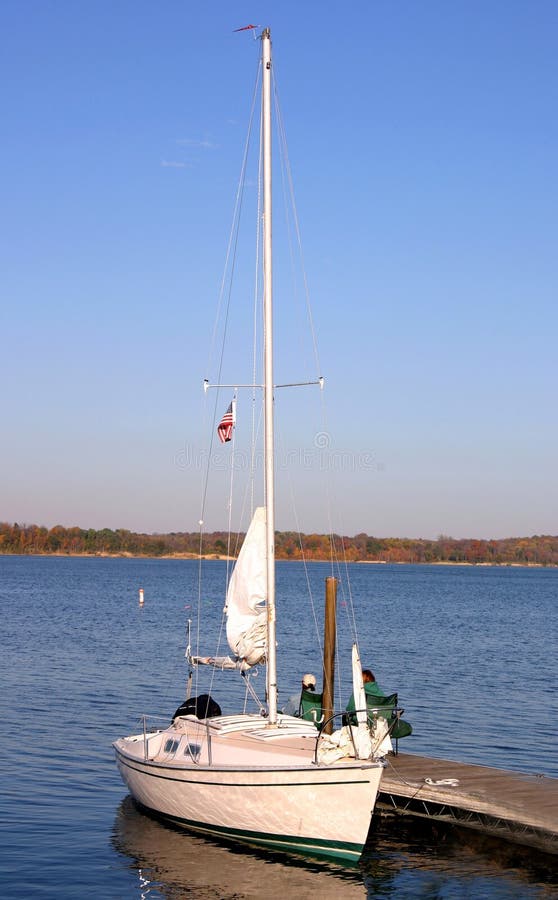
268	379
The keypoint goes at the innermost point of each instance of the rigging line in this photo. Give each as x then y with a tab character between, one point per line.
328	470
319	382
232	247
233	234
338	671
343	576
229	562
283	140
350	607
222	625
287	210
253	694
304	560
199	603
231	486
343	562
287	175
248	489
301	543
327	486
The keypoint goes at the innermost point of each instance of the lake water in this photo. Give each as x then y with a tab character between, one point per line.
471	652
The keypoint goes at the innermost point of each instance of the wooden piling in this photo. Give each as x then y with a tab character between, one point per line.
330	633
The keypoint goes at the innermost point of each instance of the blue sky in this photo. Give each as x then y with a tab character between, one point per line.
423	142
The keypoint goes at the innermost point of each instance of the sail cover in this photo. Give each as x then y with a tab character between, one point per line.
247	595
363	742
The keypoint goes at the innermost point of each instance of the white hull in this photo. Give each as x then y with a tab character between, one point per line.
277	795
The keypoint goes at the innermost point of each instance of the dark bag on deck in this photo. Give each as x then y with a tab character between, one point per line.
203	707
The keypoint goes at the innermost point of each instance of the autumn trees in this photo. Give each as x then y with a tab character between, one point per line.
35	539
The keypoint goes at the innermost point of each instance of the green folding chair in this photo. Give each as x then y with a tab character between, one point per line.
382	706
386	707
311	707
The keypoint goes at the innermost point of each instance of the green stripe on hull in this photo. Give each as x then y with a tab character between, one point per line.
335	850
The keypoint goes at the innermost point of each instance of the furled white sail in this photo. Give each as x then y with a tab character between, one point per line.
362	732
247	595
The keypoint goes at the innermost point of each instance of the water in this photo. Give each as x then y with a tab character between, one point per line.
470	651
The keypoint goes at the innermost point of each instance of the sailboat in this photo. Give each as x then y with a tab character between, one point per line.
272	780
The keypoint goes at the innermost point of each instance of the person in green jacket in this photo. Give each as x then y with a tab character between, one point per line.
371	689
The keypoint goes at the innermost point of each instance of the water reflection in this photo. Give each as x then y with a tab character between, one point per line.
403	858
431	860
172	863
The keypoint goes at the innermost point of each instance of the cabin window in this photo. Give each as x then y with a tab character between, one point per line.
171	746
193	750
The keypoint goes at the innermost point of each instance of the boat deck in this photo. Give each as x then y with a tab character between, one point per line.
519	807
286	727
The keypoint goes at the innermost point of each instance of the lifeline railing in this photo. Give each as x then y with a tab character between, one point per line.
347	718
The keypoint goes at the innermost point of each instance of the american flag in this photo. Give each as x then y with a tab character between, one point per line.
227	423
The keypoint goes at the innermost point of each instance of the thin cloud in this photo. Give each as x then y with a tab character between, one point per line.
193	142
175	164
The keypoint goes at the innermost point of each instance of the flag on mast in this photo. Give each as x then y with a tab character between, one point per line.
227	423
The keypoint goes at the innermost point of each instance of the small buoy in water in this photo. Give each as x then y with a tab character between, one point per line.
141	596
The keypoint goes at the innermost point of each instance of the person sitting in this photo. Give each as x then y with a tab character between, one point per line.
371	689
292	706
385	707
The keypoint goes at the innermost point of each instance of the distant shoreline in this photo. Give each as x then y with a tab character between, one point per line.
222	558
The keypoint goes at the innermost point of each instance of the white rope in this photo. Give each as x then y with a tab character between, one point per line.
442	782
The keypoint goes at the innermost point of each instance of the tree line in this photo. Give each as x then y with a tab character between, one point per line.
36	539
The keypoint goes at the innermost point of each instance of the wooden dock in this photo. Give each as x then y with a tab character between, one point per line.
518	807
